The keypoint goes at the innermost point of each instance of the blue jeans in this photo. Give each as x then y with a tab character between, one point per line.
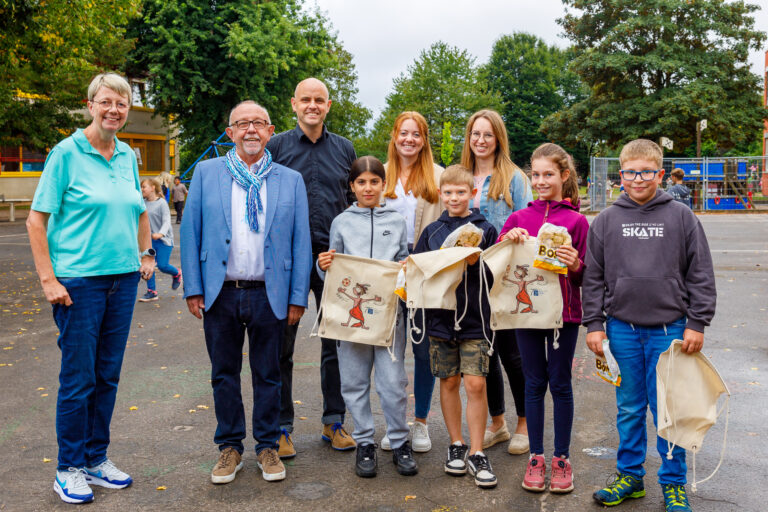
93	332
163	255
543	366
423	380
234	312
637	349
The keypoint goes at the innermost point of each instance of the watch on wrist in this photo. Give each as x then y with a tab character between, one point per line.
148	252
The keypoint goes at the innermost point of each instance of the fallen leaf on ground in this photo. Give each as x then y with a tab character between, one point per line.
176	395
133	408
46	459
410	497
297	402
161	487
302	417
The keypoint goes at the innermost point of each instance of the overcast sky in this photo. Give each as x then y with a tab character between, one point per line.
387	36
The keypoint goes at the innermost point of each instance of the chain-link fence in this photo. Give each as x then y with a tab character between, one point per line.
725	183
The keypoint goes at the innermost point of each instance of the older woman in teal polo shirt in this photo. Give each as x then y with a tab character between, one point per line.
90	240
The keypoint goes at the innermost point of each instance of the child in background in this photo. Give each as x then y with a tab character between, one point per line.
676	189
649	279
544	362
372	231
454	353
162	236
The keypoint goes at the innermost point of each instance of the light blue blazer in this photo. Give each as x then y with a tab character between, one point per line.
206	231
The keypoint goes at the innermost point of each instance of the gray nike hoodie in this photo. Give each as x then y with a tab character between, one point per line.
378	233
648	265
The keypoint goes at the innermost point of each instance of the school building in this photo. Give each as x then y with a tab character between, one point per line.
152	138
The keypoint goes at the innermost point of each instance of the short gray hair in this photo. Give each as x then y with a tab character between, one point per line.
247	102
111	81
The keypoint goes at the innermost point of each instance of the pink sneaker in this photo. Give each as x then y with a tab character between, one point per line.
561	481
535	474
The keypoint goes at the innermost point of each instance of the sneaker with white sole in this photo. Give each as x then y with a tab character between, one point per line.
420	441
272	468
150	296
72	487
480	467
107	475
456	464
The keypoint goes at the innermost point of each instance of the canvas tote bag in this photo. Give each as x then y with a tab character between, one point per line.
431	279
522	296
359	302
687	389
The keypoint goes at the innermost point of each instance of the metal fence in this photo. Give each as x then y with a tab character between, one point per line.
724	183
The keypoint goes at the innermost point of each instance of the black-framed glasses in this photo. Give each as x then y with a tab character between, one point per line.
259	124
646	175
107	105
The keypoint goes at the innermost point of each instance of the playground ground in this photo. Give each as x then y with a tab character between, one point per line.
163	424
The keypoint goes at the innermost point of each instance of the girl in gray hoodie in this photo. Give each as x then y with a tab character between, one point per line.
372	231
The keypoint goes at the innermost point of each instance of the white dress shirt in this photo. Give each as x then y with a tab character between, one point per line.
246	249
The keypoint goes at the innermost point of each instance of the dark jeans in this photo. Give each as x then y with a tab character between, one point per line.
544	365
93	332
505	353
179	207
423	380
162	257
330	381
234	312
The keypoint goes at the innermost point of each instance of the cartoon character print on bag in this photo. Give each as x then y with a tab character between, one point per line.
520	273
357	301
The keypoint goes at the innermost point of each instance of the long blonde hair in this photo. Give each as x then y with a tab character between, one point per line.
422	178
563	161
504	168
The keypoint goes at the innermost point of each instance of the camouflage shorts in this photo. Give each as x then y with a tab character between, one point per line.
448	358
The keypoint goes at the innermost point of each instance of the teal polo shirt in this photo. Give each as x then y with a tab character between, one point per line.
94	206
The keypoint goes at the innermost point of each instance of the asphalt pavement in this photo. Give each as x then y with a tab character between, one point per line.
163	425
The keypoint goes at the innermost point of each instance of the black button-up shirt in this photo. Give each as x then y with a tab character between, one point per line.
325	167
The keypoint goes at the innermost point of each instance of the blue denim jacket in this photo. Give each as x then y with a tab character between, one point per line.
497	211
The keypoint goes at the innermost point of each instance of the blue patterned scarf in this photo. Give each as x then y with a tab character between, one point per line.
251	183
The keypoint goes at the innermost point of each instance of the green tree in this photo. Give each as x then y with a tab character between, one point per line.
447	145
533	81
203	57
48	53
347	116
655	68
443	84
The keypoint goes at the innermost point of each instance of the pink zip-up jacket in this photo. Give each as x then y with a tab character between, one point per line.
559	213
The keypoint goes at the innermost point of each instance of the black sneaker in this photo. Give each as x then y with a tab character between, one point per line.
404	461
480	468
365	465
457	460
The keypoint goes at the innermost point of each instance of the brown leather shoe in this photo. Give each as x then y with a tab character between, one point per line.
225	470
286	449
338	437
271	466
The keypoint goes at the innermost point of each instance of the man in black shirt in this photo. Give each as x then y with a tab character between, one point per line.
323	159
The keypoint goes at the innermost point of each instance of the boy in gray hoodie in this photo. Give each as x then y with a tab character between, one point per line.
379	232
648	280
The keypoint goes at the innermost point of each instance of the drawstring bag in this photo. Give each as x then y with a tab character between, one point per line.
522	296
358	303
432	278
687	389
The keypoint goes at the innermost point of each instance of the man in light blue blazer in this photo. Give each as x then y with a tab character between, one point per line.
246	258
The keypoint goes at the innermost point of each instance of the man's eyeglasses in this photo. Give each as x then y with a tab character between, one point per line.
646	175
259	124
107	105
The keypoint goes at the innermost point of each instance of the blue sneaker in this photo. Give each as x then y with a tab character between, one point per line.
107	475
149	296
622	487
176	281
675	499
72	487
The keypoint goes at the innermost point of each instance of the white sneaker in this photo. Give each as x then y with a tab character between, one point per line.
71	486
420	437
107	475
384	444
